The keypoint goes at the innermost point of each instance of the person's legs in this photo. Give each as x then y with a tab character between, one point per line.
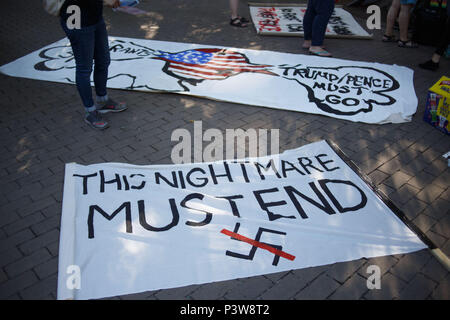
102	60
324	10
391	17
445	40
236	20
308	20
83	42
433	63
403	20
234	4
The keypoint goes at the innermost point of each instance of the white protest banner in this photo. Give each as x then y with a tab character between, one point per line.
287	20
350	90
128	229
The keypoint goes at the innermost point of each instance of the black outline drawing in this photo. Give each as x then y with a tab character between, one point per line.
183	82
329	109
42	66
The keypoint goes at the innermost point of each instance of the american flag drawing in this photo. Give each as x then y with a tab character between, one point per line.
197	65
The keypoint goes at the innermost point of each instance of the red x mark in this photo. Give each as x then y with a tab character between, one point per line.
258	244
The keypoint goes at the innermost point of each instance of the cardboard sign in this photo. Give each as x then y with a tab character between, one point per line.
287	20
437	108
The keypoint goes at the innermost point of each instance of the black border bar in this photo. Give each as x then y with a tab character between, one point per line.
388	202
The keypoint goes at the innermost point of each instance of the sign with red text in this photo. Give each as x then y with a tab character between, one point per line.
128	229
288	20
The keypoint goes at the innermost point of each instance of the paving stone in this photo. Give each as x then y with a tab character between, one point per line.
390	166
47	268
438	240
421	179
42	290
442	227
213	291
404	194
8	217
284	289
384	263
386	190
46	225
413	207
436	168
176	293
321	288
274	277
16	239
438	209
378	176
249	288
37	206
390	288
430	194
410	264
435	270
307	275
352	289
26	263
343	270
53	248
8	256
397	180
13	286
419	288
442	291
424	222
3	276
39	242
23	223
445	195
446	248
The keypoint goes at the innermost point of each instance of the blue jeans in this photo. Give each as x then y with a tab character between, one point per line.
316	20
89	44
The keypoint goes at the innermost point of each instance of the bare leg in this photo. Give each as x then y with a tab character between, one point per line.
403	21
392	16
234	4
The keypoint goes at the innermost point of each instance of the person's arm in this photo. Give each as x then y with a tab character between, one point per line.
112	3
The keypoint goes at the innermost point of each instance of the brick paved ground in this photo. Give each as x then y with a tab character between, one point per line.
41	130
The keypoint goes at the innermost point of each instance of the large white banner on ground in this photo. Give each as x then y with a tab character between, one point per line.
351	90
128	229
287	20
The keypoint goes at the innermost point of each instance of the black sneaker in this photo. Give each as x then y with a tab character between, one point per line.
94	119
429	65
111	106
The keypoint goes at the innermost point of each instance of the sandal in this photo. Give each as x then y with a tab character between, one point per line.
407	44
387	38
243	19
307	47
237	22
322	53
